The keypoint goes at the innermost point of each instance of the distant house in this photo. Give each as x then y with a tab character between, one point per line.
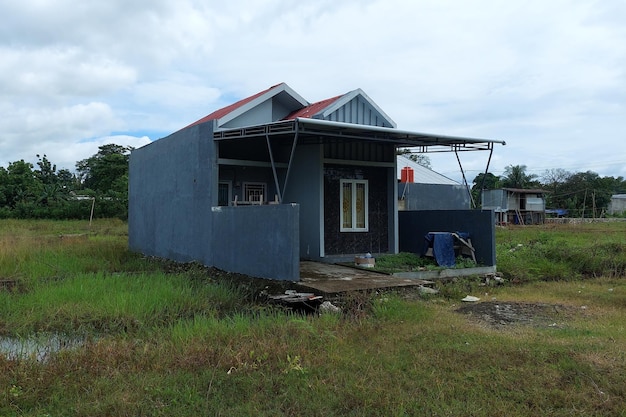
516	205
272	179
421	188
617	204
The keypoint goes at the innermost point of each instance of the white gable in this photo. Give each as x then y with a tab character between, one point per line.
356	107
269	107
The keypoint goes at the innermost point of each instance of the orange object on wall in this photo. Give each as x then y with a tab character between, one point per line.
406	175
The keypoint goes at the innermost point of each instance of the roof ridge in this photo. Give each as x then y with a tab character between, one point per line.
219	113
313	108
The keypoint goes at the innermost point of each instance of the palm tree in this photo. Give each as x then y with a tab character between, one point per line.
50	194
515	177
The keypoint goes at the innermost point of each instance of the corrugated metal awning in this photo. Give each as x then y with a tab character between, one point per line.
323	131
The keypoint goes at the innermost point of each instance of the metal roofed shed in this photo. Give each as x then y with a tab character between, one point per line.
617	205
516	205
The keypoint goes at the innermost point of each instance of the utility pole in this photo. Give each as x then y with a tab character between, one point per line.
593	201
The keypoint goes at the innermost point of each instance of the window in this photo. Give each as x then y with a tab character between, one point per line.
254	192
353	217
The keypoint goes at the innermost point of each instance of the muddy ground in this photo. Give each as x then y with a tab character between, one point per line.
501	314
495	314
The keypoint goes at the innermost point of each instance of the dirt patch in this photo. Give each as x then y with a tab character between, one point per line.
502	314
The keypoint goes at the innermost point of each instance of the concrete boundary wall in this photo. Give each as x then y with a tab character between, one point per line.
261	241
480	224
578	220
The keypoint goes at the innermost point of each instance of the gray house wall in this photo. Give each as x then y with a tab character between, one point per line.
172	186
304	186
261	241
433	196
480	224
617	204
495	200
173	213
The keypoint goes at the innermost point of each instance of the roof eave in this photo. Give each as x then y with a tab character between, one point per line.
279	88
402	138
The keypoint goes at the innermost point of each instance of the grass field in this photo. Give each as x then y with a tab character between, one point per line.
156	339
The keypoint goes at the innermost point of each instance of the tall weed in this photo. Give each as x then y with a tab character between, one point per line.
561	252
107	303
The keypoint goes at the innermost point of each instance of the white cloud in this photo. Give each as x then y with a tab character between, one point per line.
50	74
547	77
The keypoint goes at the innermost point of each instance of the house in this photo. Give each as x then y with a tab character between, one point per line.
421	188
516	205
617	205
268	181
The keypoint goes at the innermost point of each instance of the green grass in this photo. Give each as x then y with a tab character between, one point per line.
51	249
405	261
179	341
562	252
111	303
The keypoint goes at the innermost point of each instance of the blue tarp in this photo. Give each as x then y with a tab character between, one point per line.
443	247
558	212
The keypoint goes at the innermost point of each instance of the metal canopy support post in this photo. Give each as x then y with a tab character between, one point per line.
482	183
469	192
293	151
269	149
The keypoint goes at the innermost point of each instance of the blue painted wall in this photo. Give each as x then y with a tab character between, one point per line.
480	224
172	213
261	241
172	186
304	186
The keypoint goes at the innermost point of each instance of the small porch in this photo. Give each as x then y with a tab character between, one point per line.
329	278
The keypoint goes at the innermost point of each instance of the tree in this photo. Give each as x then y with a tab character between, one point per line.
419	158
103	171
106	175
46	174
515	177
67	180
21	183
482	182
554	181
586	194
4	181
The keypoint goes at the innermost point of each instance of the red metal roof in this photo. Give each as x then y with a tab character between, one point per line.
312	109
218	114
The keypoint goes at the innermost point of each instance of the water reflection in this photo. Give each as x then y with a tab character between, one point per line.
38	347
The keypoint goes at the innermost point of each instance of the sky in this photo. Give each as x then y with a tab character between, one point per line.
547	77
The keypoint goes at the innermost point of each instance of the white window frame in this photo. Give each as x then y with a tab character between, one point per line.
353	189
249	186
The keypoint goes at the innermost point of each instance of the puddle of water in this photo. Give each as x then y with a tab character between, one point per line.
38	347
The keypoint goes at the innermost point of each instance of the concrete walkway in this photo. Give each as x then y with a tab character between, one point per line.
333	278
